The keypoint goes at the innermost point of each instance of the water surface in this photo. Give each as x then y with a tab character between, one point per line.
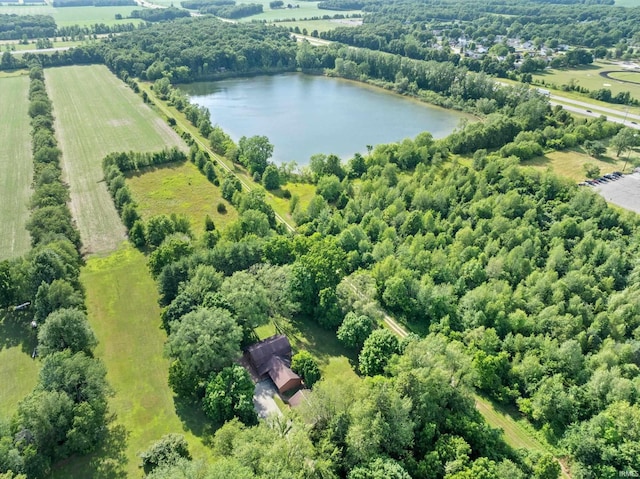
304	114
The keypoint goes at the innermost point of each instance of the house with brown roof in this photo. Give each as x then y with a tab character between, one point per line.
272	357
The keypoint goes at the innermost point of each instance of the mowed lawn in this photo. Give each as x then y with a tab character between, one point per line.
97	114
570	163
18	371
16	166
122	302
180	189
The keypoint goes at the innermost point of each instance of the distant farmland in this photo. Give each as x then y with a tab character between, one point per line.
16	166
97	114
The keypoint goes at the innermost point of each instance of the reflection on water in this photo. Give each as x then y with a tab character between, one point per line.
303	114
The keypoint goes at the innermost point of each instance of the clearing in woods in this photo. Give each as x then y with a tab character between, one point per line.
16	166
181	189
97	114
122	305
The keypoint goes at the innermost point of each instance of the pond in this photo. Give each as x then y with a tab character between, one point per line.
304	114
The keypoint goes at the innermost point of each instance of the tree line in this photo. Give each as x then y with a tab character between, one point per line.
66	413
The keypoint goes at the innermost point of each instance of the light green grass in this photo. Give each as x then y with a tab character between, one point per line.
16	166
628	3
83	16
304	191
320	25
122	303
570	163
180	189
306	10
589	77
18	47
97	114
18	372
626	76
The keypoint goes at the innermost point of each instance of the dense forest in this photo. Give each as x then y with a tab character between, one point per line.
13	27
518	284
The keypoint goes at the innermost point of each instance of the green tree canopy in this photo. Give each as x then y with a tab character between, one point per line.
204	341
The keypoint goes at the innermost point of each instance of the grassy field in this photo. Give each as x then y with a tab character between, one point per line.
75	15
627	76
97	114
569	163
18	47
305	10
16	166
17	341
180	189
320	25
589	77
304	191
122	302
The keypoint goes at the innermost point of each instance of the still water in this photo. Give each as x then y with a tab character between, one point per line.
303	114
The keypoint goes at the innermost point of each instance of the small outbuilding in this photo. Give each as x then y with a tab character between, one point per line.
298	398
272	357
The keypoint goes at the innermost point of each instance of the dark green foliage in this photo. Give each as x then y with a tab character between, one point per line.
229	394
376	352
354	330
271	178
204	341
306	367
254	152
165	452
66	329
230	185
57	295
159	14
172	249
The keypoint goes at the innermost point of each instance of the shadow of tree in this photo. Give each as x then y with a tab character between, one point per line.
107	462
193	419
15	330
110	460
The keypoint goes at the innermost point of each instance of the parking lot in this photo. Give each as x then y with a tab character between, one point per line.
624	192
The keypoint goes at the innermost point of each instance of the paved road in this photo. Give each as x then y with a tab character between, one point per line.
591	112
590	106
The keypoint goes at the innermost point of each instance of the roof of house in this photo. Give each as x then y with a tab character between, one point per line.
261	353
297	398
280	372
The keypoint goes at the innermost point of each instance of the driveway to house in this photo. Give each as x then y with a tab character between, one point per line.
263	399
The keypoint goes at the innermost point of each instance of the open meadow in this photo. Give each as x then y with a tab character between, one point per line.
302	9
122	304
82	16
180	189
570	163
97	114
322	25
16	166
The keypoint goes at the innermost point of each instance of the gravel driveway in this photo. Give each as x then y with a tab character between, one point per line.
263	399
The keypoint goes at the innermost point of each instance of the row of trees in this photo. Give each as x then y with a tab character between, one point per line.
66	413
